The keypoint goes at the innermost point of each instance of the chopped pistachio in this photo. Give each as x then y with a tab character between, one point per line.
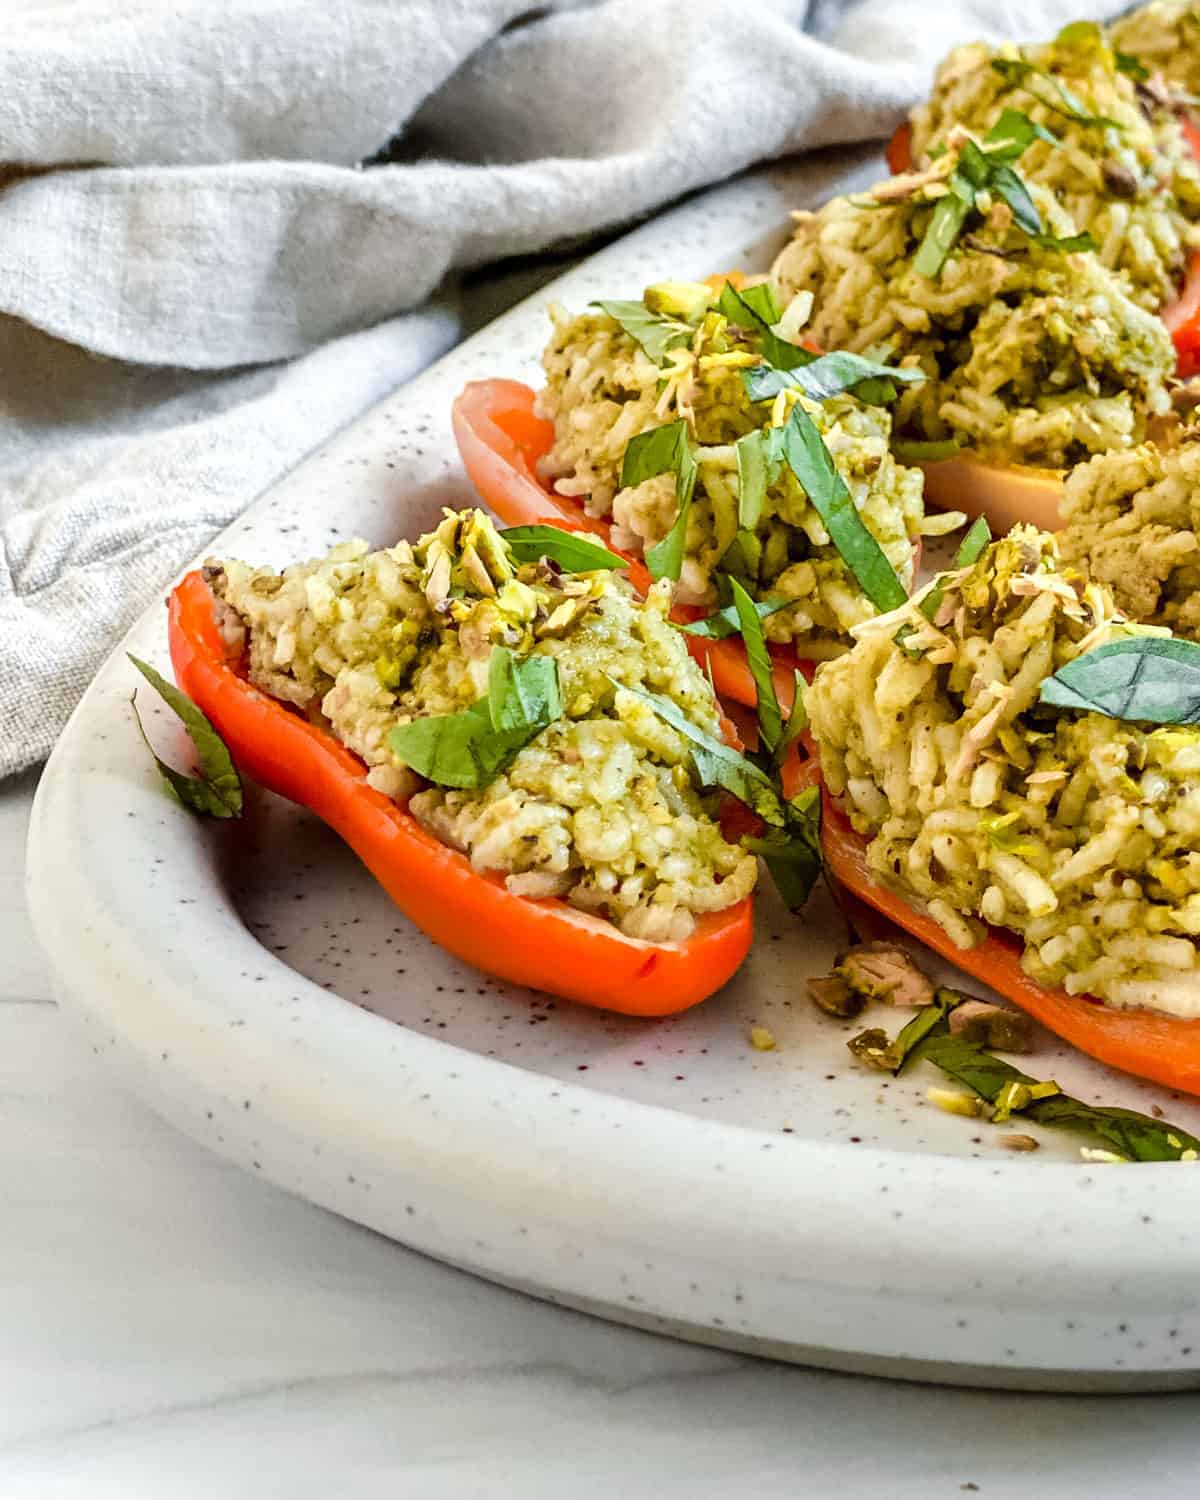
832	994
688	300
885	971
874	1048
992	1026
955	1102
1019	1143
761	1039
1095	1153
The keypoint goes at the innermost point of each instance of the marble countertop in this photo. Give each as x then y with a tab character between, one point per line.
171	1328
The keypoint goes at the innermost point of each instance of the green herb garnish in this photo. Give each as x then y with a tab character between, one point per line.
890	1054
792	855
715	763
830	375
770	719
1017	71
1012	133
812	464
797	721
664	450
572	551
1134	67
723	623
969	552
1133	1136
755	309
217	791
1146	679
655	334
470	749
920	452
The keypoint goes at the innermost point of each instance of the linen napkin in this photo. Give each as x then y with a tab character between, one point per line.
223	224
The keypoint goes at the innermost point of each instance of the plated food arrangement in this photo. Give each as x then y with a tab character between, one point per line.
701	638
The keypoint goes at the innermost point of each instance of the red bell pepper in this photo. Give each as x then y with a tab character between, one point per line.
1163	1048
501	438
547	945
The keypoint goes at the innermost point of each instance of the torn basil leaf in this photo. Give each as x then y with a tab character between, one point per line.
1143	680
724	622
1018	71
812	464
470	749
830	375
717	764
797	721
756	468
925	452
752	310
217	791
890	1054
944	227
573	551
972	546
1134	67
792	854
1131	1135
1012	133
664	450
655	334
1005	182
770	719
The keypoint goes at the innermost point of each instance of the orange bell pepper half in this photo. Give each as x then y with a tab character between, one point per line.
501	438
1163	1048
547	944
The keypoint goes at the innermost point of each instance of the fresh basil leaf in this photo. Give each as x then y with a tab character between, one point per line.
664	450
717	764
1144	680
1005	182
217	791
574	552
724	622
829	375
751	311
972	546
523	692
1012	133
770	720
810	461
1134	67
944	227
754	475
797	721
792	854
1067	243
741	559
1135	1136
470	749
890	1055
925	452
1019	72
655	334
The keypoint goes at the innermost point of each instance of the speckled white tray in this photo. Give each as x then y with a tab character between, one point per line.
256	987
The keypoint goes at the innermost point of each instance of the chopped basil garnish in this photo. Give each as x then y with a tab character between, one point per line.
654	333
1013	132
757	465
1133	66
944	227
969	552
1146	679
217	791
755	310
770	719
889	1055
812	464
664	450
972	545
792	854
830	375
797	721
572	551
717	764
918	452
724	622
470	749
1016	70
1133	1136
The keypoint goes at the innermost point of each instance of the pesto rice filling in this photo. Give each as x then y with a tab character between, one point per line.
1165	38
1032	353
1079	832
603	389
1119	165
599	806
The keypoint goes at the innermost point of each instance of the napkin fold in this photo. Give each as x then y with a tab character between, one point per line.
221	225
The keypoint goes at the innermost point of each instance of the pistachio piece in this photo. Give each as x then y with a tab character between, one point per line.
1019	1143
1119	180
884	971
832	994
992	1026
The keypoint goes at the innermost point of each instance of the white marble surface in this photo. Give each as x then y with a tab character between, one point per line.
172	1328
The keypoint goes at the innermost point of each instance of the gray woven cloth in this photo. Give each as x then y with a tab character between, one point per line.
198	279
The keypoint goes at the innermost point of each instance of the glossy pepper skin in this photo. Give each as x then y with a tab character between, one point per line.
546	945
1162	1048
1182	316
500	438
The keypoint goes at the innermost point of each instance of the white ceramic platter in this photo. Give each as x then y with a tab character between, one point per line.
256	986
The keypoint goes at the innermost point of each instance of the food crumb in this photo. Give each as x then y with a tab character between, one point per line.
956	1103
761	1039
1090	1153
1019	1143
